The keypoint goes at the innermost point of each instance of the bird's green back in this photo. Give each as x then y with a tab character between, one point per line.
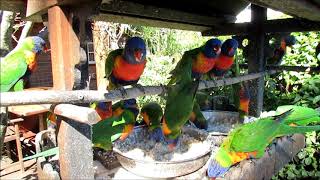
110	61
13	67
182	72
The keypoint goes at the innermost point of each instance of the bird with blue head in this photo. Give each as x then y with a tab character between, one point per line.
123	67
20	62
225	59
196	62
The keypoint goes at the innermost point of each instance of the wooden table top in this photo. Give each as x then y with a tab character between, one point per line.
28	110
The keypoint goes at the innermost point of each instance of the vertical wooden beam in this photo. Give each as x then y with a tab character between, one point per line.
256	59
64	48
101	49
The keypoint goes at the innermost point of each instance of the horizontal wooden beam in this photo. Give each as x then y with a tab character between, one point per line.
147	22
127	8
85	96
37	8
77	113
289	68
270	26
300	8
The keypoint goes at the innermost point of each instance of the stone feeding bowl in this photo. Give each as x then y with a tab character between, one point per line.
163	169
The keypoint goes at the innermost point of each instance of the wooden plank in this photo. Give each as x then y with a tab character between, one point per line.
289	68
148	22
81	114
37	8
64	48
270	26
256	59
19	148
85	96
121	7
300	8
29	109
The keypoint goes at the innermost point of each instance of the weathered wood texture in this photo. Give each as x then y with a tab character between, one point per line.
300	8
158	13
84	96
270	26
77	113
271	163
289	68
256	59
101	43
75	150
64	48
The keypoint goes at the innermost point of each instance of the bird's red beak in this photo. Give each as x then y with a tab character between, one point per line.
230	50
45	49
138	54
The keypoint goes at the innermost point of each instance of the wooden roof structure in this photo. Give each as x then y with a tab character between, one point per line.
211	17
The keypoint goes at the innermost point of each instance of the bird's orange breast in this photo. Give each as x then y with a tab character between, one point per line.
128	72
239	156
224	62
202	64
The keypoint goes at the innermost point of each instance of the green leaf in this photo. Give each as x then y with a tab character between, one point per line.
308	161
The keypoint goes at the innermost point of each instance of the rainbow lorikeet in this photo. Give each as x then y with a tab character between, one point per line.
120	125
244	101
152	114
226	58
280	51
123	67
179	106
250	140
19	62
196	62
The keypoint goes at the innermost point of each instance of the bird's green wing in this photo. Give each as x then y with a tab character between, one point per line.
110	61
182	71
300	115
12	69
179	104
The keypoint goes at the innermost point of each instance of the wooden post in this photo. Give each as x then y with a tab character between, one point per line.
74	141
101	49
256	59
64	48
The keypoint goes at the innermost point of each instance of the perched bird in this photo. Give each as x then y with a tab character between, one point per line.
244	97
196	62
152	114
280	51
118	126
104	109
20	62
179	106
251	140
225	59
123	67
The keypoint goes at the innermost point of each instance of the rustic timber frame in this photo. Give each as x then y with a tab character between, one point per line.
74	134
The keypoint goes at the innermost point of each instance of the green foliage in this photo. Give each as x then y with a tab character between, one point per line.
300	89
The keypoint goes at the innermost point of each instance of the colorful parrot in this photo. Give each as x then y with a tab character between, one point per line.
179	106
152	114
118	126
196	62
250	140
244	97
280	51
226	58
19	62
123	67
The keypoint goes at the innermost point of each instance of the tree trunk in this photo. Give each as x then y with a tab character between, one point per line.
7	19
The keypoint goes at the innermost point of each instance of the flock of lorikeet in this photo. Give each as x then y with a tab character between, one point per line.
125	66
